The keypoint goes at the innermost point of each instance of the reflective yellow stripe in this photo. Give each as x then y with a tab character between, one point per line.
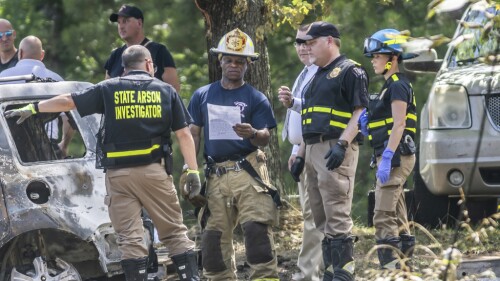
389	120
395	77
341	113
411	116
370	137
396	41
372	125
338	124
304	111
132	152
389	132
322	109
307	121
414	130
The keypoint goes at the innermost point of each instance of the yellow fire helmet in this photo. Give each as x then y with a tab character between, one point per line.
236	43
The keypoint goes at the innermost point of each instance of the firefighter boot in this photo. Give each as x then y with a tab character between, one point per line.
327	259
135	269
387	255
407	246
342	251
187	266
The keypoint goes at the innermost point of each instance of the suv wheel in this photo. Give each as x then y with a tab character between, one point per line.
57	270
431	210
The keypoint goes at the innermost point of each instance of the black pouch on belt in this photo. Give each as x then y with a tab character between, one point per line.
169	160
407	146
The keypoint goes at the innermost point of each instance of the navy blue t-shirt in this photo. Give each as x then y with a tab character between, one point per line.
254	108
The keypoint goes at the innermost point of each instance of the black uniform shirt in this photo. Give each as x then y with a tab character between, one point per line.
160	54
354	84
92	100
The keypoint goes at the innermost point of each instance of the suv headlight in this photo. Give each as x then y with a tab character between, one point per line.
449	107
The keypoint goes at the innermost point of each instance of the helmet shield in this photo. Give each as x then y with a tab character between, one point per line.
236	43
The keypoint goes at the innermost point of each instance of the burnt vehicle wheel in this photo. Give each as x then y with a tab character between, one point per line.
57	270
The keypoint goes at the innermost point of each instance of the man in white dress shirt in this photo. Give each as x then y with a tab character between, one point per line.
30	55
310	260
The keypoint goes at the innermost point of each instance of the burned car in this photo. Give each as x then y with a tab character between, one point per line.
460	122
54	224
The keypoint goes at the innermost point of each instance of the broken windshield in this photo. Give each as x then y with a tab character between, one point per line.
478	37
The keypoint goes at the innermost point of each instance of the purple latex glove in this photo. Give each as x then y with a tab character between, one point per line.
384	168
363	122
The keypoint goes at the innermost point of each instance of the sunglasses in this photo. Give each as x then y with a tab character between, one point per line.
299	42
7	33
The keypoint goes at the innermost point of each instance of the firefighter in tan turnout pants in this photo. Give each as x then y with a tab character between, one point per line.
235	119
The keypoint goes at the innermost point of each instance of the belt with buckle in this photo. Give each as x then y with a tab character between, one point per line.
221	170
319	138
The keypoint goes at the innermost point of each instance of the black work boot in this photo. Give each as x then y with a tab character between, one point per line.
135	269
387	256
342	249
407	244
186	266
327	259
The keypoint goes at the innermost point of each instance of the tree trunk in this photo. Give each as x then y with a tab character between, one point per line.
251	18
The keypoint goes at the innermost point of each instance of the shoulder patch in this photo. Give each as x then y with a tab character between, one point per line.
334	73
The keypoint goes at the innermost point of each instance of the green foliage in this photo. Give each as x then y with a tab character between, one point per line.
78	39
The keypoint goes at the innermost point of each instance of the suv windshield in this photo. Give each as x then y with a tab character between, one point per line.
474	44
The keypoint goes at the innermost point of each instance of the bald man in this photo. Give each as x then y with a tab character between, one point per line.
8	52
30	56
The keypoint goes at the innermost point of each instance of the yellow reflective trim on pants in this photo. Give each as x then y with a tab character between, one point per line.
338	124
341	113
132	152
411	116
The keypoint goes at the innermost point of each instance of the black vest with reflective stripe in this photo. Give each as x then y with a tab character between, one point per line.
380	114
327	112
134	133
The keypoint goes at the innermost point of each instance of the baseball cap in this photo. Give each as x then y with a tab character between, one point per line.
322	28
127	11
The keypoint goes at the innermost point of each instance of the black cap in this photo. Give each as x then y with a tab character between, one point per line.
127	11
322	28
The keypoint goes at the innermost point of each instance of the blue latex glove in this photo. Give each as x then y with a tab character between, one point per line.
384	168
363	122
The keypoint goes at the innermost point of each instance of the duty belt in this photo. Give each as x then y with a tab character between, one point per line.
222	170
319	138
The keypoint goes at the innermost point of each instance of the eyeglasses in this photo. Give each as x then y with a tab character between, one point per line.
300	43
155	68
7	33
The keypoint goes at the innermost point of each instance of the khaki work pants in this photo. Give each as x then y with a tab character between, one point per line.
237	198
330	192
310	259
148	186
390	215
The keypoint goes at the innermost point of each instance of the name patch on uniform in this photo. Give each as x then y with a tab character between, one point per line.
334	73
133	104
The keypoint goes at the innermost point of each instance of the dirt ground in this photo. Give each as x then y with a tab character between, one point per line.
427	258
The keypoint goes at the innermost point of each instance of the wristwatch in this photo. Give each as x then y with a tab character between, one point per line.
254	134
343	143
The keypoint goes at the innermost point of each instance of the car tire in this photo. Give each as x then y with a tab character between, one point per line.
479	208
428	209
